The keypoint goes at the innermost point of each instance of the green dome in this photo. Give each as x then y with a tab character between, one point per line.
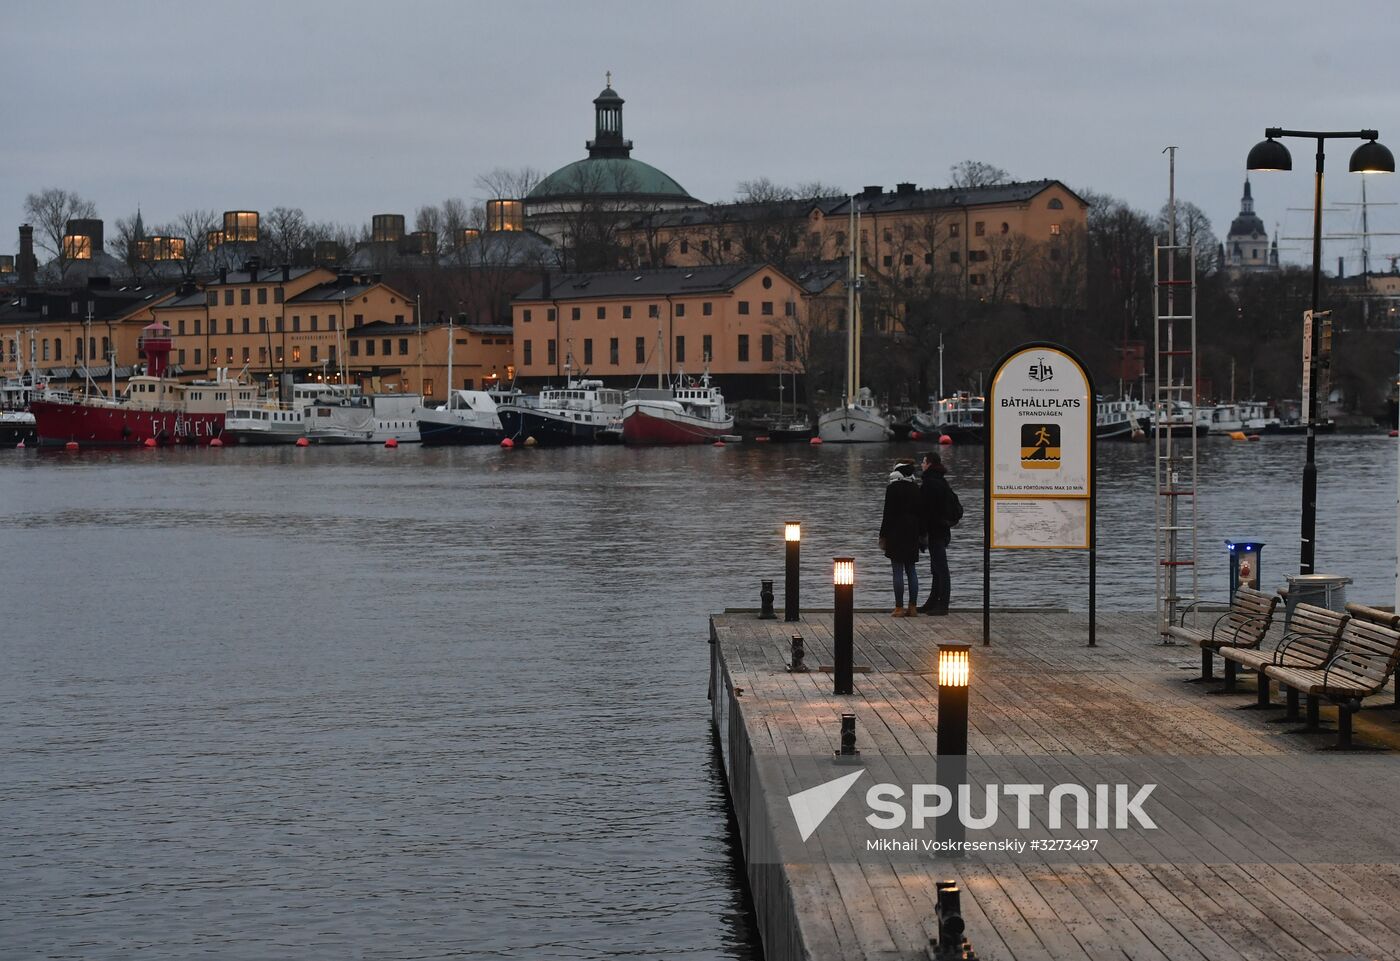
609	176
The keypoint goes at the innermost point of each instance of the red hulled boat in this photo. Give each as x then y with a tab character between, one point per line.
681	415
152	407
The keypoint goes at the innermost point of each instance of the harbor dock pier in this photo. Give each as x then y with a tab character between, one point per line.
1046	704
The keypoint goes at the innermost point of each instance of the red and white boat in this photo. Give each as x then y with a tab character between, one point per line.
681	415
153	407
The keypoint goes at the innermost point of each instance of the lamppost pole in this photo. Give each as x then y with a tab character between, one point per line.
1370	157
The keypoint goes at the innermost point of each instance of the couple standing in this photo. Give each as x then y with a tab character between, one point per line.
918	516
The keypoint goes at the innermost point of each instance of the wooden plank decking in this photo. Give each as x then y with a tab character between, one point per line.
1038	693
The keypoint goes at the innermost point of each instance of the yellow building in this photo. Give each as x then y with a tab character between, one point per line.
66	333
386	356
741	322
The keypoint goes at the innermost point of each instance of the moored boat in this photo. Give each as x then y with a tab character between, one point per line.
468	417
581	412
1118	419
692	414
17	427
153	407
362	419
273	422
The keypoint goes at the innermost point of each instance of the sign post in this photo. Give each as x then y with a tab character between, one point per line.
1040	462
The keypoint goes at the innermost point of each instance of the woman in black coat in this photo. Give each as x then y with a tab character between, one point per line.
900	530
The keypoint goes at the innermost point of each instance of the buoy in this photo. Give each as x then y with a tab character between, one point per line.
149	442
303	442
20	445
1138	434
815	441
216	443
1254	437
718	443
530	441
71	445
944	439
1395	433
507	443
392	442
1237	435
761	439
915	435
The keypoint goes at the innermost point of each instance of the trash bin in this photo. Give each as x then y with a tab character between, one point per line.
1320	590
1244	564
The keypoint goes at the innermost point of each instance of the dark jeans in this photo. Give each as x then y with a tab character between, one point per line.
942	587
902	570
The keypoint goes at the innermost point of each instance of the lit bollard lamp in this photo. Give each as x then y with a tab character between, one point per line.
954	675
843	577
792	537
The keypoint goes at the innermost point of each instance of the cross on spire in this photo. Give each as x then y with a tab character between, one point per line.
609	76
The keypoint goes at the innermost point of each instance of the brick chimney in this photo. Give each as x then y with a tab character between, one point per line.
28	267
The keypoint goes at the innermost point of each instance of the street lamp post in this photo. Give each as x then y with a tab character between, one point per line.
1370	157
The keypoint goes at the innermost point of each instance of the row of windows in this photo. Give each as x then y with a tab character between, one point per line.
386	346
244	296
246	325
313	355
47	349
640	345
654	310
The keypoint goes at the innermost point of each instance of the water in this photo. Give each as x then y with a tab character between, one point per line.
353	702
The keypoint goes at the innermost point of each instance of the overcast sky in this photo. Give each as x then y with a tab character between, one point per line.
352	108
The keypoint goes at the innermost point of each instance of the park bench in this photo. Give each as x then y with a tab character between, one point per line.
1244	625
1312	639
1367	654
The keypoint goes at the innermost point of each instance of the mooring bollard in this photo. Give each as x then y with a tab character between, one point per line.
848	736
843	578
765	600
950	943
799	654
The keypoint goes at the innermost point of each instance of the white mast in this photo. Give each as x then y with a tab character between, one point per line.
855	318
451	341
850	305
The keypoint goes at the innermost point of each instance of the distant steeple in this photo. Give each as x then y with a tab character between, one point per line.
1247	201
607	128
138	229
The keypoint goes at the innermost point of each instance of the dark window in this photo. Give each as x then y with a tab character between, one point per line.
245	325
280	323
612	351
889	261
953	229
181	328
369	348
315	323
551	354
641	350
245	296
704	246
528	354
766	348
743	347
196	326
262	295
588	348
980	228
680	349
277	295
403	345
789	348
602	313
653	310
680	310
1005	227
707	348
766	308
388	346
575	313
685	246
398	319
707	308
527	315
196	356
296	323
228	325
928	260
908	260
1055	204
743	306
724	246
549	314
262	325
954	257
360	319
789	308
228	298
213	298
627	312
315	353
354	348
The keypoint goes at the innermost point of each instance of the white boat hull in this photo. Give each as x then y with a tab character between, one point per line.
853	425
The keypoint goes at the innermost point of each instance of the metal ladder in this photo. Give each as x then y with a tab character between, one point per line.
1174	399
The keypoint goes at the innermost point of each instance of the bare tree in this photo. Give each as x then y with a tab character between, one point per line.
124	243
975	173
1193	230
49	211
193	227
508	184
284	232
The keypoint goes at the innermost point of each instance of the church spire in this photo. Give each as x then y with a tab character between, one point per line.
1247	201
607	128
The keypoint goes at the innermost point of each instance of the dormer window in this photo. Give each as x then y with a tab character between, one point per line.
1055	204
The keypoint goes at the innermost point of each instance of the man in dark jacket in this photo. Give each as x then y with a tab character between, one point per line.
937	498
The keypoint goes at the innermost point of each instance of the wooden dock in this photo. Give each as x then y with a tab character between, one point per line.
1037	691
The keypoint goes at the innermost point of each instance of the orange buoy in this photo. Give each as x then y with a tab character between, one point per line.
815	441
944	439
392	442
915	435
215	442
150	442
507	443
71	445
303	442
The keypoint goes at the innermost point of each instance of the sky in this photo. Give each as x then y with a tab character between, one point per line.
353	108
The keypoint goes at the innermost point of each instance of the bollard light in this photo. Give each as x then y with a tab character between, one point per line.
954	665
799	654
954	676
848	736
765	600
843	577
792	538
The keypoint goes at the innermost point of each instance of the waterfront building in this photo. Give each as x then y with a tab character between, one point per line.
1247	247
745	323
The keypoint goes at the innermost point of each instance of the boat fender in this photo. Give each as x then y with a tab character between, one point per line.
915	435
391	443
718	443
761	439
530	441
215	442
507	443
944	439
1237	435
20	445
150	442
71	445
303	442
815	441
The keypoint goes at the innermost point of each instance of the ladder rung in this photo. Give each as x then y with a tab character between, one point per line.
1174	283
1173	528
1177	563
1175	353
1176	317
1177	493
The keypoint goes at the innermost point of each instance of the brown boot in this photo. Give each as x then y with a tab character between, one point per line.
911	611
897	612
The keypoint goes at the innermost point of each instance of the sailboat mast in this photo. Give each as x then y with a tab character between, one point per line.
855	318
850	303
451	342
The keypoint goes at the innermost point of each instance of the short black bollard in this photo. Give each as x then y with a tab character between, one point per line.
765	599
799	654
848	735
950	943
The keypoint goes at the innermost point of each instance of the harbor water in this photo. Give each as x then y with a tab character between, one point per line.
450	703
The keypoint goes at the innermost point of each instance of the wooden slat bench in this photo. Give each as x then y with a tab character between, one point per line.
1367	655
1244	625
1312	639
